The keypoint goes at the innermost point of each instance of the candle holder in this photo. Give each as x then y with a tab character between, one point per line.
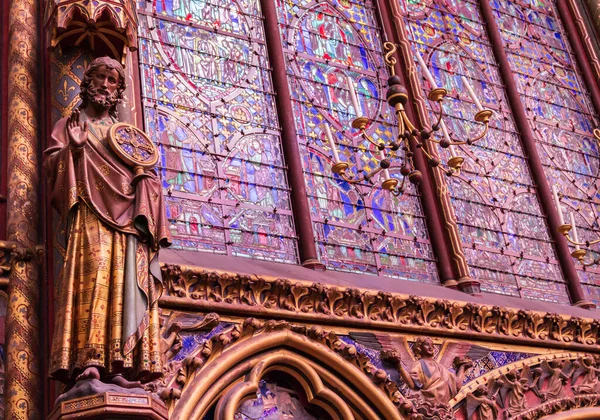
410	138
578	253
569	230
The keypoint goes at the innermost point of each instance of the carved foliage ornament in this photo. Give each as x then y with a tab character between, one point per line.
205	289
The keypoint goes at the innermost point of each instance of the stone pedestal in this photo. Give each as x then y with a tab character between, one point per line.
111	406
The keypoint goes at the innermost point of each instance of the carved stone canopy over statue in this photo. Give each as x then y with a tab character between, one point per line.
107	324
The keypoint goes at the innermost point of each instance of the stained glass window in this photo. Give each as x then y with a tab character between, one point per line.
209	105
358	228
503	232
559	111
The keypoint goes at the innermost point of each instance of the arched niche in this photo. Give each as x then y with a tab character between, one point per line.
329	382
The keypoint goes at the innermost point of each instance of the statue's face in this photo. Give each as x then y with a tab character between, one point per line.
427	348
104	84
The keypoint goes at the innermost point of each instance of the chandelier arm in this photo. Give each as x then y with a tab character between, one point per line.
368	138
401	125
424	151
349	179
370	175
440	114
482	135
586	244
407	122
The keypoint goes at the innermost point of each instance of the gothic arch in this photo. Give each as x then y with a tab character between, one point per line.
329	381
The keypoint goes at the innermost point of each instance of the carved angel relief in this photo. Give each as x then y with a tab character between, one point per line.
586	368
505	396
427	381
482	403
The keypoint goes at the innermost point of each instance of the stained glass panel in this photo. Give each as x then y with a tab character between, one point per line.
504	234
358	227
209	105
559	111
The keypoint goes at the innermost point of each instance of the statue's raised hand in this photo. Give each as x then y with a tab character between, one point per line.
77	130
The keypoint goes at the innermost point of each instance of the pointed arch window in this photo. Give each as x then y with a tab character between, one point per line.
361	227
559	110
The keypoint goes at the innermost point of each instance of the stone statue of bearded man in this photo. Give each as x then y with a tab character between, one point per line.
107	324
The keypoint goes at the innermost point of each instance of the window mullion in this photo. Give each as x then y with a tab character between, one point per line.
299	197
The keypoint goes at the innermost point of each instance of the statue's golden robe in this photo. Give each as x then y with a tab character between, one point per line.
107	306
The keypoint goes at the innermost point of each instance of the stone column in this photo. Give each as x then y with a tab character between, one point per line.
23	378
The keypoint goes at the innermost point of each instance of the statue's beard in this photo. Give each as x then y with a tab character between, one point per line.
105	101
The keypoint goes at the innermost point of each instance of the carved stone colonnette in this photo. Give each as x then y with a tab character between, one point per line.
243	295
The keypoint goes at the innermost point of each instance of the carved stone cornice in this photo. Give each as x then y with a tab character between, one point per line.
108	26
243	295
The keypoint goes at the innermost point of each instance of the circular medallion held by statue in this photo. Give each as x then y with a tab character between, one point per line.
132	145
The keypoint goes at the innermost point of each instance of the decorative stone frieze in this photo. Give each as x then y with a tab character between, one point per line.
244	295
